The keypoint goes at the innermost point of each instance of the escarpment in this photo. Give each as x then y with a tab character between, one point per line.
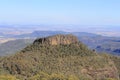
57	39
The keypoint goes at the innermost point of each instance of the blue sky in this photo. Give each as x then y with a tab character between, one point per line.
80	12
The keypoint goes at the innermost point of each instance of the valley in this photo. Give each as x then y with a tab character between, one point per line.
3	40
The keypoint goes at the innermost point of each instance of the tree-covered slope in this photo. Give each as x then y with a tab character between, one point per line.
59	57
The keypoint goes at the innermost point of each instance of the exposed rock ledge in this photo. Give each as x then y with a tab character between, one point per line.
57	40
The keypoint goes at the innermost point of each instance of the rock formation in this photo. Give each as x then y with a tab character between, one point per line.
57	40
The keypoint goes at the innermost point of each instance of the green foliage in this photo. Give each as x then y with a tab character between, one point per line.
7	77
110	79
116	62
58	62
72	77
45	76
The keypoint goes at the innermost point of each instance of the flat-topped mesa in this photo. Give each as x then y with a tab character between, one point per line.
57	40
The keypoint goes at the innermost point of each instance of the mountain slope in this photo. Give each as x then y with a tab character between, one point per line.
59	57
13	46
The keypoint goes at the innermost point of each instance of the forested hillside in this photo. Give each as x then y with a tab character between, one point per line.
59	57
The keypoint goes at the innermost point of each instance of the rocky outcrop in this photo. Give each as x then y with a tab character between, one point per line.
57	40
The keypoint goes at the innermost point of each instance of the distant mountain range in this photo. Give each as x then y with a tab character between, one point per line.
106	30
93	41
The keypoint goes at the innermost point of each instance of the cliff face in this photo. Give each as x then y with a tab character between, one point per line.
57	40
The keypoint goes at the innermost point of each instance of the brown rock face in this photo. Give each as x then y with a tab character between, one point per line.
57	40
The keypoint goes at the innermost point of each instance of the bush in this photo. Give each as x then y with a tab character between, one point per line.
7	77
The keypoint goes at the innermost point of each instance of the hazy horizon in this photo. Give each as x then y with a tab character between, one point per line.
105	30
